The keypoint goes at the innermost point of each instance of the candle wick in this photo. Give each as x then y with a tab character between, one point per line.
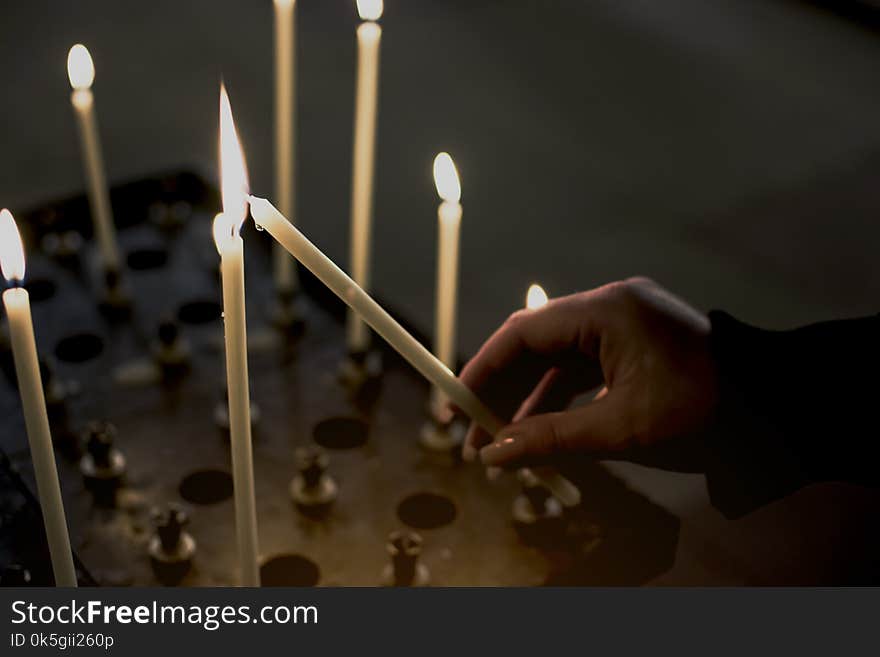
14	283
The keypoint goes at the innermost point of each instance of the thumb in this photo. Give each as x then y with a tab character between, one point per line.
600	426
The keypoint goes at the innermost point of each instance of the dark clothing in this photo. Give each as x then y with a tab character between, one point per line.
797	407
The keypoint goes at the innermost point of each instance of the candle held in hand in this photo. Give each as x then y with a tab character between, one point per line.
369	36
30	386
268	218
285	134
233	188
81	72
448	228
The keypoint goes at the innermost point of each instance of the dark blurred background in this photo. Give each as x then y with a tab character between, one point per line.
729	149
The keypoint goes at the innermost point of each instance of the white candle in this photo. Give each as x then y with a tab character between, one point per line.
448	228
81	72
285	135
33	402
267	217
233	186
369	36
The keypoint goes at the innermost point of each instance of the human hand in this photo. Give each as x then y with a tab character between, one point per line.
647	349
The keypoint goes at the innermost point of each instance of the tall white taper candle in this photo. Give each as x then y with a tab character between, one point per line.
285	132
231	248
233	189
369	36
267	217
33	402
448	228
81	72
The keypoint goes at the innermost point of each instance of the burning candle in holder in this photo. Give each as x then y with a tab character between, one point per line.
16	301
81	72
369	36
233	187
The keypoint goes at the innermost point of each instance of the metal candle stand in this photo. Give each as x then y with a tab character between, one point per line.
339	457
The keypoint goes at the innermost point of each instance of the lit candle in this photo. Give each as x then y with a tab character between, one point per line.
448	228
285	136
266	216
369	36
535	297
233	188
30	387
81	72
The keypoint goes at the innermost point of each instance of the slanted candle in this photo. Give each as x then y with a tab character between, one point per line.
285	133
369	36
267	217
33	402
448	229
81	72
233	188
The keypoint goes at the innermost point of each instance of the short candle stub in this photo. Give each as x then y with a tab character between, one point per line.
404	549
171	351
537	514
116	303
312	489
171	548
361	373
286	315
103	465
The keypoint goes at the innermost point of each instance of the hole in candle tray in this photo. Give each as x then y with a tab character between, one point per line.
79	347
341	433
289	570
40	289
200	311
426	510
150	258
206	487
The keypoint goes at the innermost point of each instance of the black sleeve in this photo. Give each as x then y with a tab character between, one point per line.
796	407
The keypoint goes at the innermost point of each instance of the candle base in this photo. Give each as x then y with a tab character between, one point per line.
405	569
286	315
312	489
115	305
361	371
103	466
171	352
171	549
537	515
442	437
65	248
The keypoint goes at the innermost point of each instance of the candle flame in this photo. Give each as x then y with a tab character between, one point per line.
80	68
11	248
370	10
536	297
446	178
233	170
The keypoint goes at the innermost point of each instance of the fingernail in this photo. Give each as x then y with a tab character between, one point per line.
500	451
468	453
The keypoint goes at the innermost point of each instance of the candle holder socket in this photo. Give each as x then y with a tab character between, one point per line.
312	489
537	514
171	548
405	569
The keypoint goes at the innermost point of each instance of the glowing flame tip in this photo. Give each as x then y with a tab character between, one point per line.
11	248
536	297
233	170
446	178
370	10
80	68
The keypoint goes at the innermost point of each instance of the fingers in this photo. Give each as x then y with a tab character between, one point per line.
519	354
601	426
554	392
